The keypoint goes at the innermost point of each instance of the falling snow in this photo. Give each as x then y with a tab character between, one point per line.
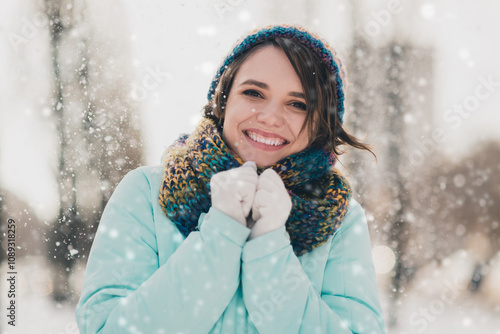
120	86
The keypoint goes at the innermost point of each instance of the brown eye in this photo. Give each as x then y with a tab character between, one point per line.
251	92
299	105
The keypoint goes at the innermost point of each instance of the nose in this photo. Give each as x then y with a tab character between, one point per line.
271	115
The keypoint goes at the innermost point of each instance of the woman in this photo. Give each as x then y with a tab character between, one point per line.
247	227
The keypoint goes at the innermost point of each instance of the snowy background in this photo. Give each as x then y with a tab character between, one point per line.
143	69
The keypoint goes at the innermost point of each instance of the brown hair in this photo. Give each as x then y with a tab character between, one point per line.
318	83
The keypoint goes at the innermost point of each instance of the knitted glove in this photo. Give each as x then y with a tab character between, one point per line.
233	191
271	205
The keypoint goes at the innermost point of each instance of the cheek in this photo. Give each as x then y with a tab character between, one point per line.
304	139
295	123
301	136
232	119
238	111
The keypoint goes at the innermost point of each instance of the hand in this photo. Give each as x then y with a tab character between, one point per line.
233	191
271	205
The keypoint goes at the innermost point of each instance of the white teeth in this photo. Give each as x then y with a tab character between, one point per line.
260	139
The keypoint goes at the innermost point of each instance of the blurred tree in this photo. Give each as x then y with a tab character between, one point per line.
361	105
396	62
388	94
462	204
382	85
29	229
97	126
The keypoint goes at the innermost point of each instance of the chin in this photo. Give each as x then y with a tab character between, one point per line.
261	159
264	162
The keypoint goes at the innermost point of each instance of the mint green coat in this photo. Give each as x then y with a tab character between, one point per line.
143	276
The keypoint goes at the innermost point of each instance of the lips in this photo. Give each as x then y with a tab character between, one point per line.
265	140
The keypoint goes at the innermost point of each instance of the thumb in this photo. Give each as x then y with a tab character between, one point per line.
246	204
250	164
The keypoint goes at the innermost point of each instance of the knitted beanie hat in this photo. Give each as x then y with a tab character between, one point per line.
323	50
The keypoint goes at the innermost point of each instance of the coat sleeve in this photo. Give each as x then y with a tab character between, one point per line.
280	297
125	289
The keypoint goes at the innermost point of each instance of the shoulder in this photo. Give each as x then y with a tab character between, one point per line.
354	213
144	177
355	219
138	188
149	174
353	231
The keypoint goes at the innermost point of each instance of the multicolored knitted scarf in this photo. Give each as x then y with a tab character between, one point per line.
319	193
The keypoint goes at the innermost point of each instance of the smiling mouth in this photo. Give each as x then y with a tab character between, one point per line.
271	141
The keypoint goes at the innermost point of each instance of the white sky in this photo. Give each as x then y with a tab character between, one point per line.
188	39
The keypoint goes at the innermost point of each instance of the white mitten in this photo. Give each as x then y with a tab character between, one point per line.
233	191
271	205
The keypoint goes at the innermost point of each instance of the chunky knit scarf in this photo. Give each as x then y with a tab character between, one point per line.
320	195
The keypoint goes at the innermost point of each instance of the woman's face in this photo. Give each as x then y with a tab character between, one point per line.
265	109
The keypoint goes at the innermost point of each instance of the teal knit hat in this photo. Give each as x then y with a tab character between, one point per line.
323	50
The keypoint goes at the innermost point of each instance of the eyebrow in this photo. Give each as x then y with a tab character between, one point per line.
265	86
